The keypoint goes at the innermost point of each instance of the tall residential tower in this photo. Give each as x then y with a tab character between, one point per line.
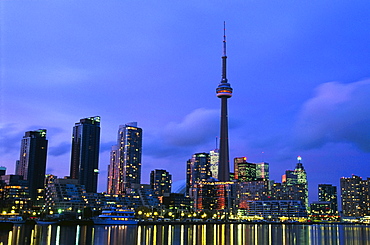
85	152
224	91
125	165
32	161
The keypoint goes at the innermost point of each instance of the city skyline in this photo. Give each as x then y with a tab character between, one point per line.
299	71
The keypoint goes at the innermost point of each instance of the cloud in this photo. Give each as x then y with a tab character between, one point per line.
182	138
10	138
198	127
337	113
107	146
61	149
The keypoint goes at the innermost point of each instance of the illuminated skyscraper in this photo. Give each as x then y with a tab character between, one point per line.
355	194
243	170
32	161
125	163
328	193
198	169
114	172
297	178
224	91
214	162
85	152
263	171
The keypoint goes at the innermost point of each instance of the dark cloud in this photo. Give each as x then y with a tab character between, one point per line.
107	146
65	147
10	138
183	138
338	113
61	149
197	128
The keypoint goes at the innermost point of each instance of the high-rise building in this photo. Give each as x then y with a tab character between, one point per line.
160	181
85	152
289	178
243	170
282	191
125	162
198	169
113	171
224	91
251	191
328	193
214	195
355	196
326	208
298	176
262	171
214	155
32	161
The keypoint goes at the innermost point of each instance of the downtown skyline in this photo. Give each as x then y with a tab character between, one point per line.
300	74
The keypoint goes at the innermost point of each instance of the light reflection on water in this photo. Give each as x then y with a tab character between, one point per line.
217	234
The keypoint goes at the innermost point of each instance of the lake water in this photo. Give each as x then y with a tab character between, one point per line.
209	234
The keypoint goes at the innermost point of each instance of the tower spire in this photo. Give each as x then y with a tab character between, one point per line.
224	38
224	57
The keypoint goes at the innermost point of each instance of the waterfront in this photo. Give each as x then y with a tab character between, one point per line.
186	234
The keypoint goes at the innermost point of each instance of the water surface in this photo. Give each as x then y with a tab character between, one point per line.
205	234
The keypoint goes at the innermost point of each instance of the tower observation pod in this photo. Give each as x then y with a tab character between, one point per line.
224	89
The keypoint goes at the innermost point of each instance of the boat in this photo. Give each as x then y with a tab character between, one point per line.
46	222
116	217
13	219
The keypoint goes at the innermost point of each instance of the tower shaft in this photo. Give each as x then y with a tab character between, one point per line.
224	166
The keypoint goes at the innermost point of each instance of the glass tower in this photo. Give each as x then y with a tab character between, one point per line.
32	161
85	152
125	163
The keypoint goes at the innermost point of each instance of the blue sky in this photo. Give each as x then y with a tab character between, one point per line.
299	69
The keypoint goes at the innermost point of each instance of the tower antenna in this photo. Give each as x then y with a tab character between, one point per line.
224	38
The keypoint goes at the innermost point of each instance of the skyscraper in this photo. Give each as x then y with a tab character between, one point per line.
243	170
32	161
328	193
125	163
355	196
297	178
198	169
224	91
85	152
263	171
214	162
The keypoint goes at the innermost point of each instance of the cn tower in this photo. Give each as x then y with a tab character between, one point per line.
224	91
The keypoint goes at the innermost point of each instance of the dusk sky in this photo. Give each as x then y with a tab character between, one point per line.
300	71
